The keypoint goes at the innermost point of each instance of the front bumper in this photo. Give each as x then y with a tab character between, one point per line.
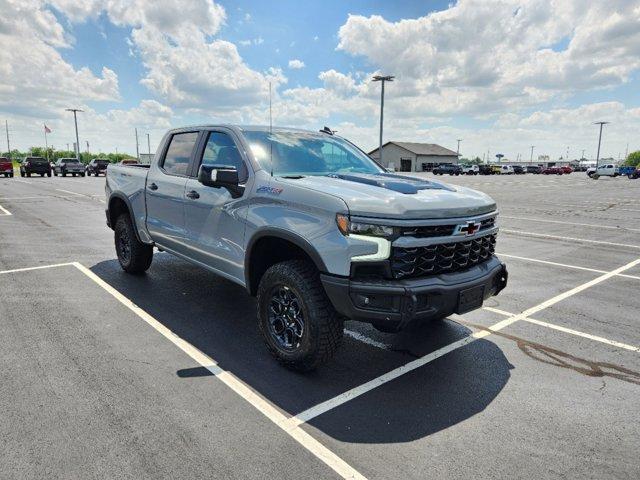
395	303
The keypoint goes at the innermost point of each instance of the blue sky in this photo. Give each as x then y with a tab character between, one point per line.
502	75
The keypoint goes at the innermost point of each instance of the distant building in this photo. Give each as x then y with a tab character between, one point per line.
413	157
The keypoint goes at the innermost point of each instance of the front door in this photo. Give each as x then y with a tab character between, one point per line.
214	220
165	192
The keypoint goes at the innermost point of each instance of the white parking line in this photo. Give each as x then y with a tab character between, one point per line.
606	227
364	339
242	389
556	264
567	330
4	211
41	267
72	193
572	239
332	403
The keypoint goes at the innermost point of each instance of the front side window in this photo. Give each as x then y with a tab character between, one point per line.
292	153
221	151
176	161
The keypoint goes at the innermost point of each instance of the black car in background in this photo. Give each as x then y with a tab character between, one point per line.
534	169
68	166
37	165
97	166
485	170
449	168
518	170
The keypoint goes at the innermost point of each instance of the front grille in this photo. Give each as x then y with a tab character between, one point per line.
428	231
443	258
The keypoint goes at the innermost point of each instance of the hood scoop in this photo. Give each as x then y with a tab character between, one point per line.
389	181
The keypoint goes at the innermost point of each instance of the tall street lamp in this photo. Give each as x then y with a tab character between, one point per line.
382	78
531	157
599	140
75	121
458	149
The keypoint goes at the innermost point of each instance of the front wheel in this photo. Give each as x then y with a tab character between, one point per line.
298	322
134	256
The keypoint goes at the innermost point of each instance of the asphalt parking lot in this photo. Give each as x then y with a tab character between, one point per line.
103	374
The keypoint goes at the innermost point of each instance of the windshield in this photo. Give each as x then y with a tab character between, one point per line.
307	153
36	160
70	160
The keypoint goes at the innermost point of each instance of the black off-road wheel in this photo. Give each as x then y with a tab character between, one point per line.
298	322
134	256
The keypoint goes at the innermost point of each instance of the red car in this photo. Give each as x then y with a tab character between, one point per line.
566	169
552	171
6	167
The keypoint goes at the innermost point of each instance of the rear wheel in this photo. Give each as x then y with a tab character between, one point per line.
96	174
298	322
48	173
134	256
21	173
29	174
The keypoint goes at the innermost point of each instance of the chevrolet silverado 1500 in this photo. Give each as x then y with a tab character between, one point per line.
310	225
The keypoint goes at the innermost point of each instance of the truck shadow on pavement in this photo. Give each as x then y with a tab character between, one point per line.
219	318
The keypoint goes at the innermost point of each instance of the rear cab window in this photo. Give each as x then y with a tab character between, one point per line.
178	156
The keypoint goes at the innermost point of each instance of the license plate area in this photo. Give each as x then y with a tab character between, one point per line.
470	299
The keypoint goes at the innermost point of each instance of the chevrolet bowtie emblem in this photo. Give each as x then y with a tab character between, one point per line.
467	229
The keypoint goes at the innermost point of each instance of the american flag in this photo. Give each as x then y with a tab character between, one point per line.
47	129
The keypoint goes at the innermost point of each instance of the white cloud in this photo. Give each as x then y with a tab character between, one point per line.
32	68
296	64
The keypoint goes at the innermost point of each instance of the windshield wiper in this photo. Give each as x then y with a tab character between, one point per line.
293	177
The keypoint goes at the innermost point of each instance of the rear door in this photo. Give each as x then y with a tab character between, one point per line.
214	221
165	191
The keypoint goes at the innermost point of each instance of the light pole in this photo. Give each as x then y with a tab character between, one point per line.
531	157
149	146
458	149
382	78
582	154
137	146
599	140
75	121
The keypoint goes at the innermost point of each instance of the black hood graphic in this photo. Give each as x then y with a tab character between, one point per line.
390	181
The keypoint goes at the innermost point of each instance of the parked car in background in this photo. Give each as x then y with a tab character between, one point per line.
552	171
635	174
536	169
449	168
518	170
68	166
606	170
37	165
502	169
485	170
470	169
626	170
128	161
566	169
97	166
318	232
6	167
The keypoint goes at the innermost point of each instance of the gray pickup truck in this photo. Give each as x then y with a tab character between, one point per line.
310	225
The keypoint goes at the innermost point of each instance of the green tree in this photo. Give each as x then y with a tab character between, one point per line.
633	159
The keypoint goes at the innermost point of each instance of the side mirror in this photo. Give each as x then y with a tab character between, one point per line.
221	176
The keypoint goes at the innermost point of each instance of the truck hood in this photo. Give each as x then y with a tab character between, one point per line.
398	197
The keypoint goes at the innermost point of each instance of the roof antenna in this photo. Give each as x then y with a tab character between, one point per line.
270	131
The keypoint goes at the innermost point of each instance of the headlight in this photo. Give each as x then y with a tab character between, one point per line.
357	228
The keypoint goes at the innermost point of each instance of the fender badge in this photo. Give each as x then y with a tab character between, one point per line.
269	190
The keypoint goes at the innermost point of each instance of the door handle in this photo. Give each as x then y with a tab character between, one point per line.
193	195
153	186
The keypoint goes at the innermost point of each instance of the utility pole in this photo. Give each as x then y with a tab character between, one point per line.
137	147
582	154
67	146
149	146
75	121
6	127
531	157
458	149
382	78
87	145
599	140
